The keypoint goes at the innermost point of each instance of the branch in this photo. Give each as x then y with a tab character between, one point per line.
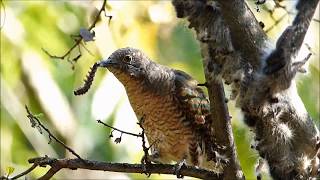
23	173
306	10
247	37
223	128
216	48
145	160
290	42
74	164
146	167
35	122
85	34
276	22
124	132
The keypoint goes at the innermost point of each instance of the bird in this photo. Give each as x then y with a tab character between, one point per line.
175	110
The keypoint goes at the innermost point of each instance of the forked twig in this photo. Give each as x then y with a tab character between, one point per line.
80	38
35	122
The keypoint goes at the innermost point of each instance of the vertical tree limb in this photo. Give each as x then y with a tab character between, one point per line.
223	128
246	34
205	18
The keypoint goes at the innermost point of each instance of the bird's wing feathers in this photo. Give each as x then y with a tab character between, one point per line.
191	98
197	109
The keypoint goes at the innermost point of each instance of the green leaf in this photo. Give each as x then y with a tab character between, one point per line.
9	170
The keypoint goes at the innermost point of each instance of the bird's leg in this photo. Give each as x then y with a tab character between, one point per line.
178	166
147	159
154	157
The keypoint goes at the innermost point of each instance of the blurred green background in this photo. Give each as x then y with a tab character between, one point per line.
29	76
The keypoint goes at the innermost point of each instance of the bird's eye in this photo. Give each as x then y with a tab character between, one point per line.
127	59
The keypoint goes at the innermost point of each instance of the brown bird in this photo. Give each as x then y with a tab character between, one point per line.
176	111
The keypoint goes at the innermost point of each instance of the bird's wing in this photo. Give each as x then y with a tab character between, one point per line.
197	110
191	98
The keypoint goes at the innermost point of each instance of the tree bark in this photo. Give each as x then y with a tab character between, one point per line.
261	75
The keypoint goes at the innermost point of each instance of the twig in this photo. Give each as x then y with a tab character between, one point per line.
276	23
316	20
21	174
144	147
145	159
80	38
35	122
98	15
141	135
124	132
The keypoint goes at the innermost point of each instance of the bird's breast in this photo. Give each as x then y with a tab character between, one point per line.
163	121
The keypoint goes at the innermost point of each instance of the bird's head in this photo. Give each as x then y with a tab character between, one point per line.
126	62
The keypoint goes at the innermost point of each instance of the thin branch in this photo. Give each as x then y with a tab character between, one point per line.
98	15
58	164
292	38
52	171
124	132
80	38
316	20
35	122
145	159
276	22
22	173
222	124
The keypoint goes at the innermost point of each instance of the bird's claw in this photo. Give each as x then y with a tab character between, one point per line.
178	166
145	162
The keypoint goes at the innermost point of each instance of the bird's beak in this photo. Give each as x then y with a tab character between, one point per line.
107	63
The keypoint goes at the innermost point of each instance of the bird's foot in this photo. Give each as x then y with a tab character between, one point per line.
178	166
146	161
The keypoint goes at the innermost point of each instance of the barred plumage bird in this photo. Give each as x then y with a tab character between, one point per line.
176	111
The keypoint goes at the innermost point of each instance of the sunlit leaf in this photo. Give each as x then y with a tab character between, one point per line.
9	170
